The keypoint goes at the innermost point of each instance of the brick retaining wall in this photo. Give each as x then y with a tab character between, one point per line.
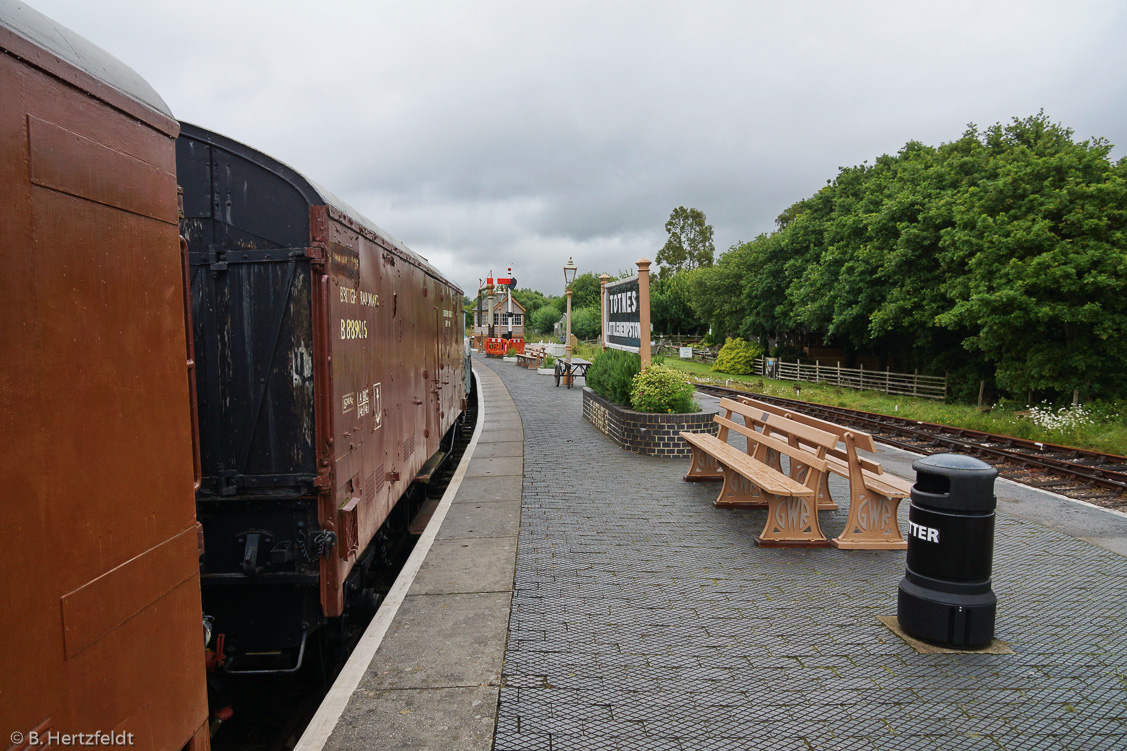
644	432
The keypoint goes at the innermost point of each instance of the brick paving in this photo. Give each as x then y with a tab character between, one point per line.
644	618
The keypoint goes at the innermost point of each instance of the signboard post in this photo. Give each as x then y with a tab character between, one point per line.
626	313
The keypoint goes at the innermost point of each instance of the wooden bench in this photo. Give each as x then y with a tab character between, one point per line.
532	357
752	478
874	497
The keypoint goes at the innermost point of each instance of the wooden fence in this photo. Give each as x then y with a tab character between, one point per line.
907	384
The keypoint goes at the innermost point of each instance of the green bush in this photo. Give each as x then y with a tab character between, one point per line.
611	374
549	362
544	319
737	357
586	322
662	389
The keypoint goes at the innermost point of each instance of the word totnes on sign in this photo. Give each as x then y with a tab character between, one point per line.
626	313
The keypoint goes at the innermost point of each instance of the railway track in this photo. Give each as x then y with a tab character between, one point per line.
1089	476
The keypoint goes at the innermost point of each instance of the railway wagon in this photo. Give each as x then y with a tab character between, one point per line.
330	367
99	570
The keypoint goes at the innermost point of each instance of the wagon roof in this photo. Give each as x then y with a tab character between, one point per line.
29	31
313	192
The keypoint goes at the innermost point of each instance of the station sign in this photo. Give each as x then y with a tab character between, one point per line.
622	315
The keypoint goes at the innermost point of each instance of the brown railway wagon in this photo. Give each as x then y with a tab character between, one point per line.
99	578
330	367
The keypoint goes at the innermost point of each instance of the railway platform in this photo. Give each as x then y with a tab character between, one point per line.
576	596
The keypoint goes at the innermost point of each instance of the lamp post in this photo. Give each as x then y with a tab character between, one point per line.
569	277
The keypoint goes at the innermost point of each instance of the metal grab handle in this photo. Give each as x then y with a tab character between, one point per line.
280	671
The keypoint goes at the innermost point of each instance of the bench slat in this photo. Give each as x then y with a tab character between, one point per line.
786	425
797	454
864	440
751	468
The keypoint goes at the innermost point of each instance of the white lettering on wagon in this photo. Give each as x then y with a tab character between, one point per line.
919	531
350	296
353	329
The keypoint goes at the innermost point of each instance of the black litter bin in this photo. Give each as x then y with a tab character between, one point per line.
945	596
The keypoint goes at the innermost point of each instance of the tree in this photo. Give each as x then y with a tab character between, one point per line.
1040	246
544	319
531	299
690	241
996	257
585	291
585	322
671	308
469	305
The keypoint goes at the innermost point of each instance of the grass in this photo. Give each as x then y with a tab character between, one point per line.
1099	427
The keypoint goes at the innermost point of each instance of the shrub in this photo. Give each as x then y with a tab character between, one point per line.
586	322
661	389
611	374
511	352
737	357
549	362
544	319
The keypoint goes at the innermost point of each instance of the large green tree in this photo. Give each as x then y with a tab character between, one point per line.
1041	246
544	319
585	322
671	305
586	291
1000	256
689	245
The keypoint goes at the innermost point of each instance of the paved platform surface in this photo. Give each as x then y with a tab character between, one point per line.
628	613
644	618
434	679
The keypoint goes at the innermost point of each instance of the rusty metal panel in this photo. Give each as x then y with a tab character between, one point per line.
99	606
70	163
93	397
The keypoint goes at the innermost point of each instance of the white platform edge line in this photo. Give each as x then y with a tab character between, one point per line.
332	707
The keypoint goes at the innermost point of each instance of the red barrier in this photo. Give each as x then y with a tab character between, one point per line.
501	347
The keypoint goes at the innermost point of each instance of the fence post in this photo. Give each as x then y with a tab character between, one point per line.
887	388
861	375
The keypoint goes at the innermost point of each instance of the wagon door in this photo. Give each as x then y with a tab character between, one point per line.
434	372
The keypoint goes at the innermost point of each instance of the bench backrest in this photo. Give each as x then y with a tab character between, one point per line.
854	439
864	441
776	433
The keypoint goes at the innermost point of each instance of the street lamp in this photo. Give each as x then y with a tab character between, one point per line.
569	277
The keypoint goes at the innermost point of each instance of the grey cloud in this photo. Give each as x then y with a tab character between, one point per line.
485	134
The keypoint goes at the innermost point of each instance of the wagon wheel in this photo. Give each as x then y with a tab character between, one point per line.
557	374
570	377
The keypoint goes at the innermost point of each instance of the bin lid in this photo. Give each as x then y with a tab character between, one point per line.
954	482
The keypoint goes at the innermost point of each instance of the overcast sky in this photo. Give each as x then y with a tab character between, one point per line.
494	134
